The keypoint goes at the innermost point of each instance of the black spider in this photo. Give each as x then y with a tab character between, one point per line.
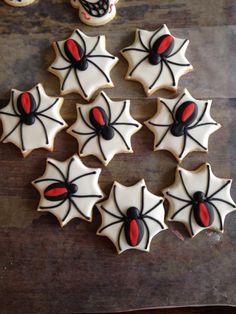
133	222
184	119
79	59
202	204
27	110
102	126
158	52
64	190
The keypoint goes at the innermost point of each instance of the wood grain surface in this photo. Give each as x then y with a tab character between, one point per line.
46	269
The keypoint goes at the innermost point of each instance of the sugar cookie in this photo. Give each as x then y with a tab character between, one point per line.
19	3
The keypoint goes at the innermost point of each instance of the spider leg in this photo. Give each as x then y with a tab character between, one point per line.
86	142
133	49
44	128
110	224
116	203
61	69
179	210
221	200
100	70
9	114
141	41
121	136
120	114
100	147
54	103
138	64
201	116
184	146
148	233
45	180
58	169
13	104
142	200
190	220
203	124
85	196
21	137
81	133
39	98
68	169
174	53
196	141
218	213
68	211
157	221
53	206
220	189
151	209
102	56
80	85
126	123
178	64
185	188
82	176
170	112
208	180
108	106
50	118
83	41
178	101
78	210
60	52
171	73
119	235
15	127
111	214
164	135
153	35
85	122
65	78
160	125
158	76
177	198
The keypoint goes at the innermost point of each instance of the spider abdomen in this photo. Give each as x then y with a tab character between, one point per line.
162	47
59	191
203	214
185	115
100	122
134	229
26	106
75	54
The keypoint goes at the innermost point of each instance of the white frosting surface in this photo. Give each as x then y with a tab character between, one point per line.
19	3
33	135
127	197
90	80
102	11
88	191
162	75
218	194
90	140
180	146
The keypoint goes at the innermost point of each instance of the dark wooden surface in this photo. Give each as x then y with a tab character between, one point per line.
46	269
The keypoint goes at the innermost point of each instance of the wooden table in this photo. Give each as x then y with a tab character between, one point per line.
44	268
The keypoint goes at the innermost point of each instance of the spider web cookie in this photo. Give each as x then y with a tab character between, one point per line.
157	59
68	189
199	199
104	128
131	216
182	125
31	119
19	3
95	12
82	64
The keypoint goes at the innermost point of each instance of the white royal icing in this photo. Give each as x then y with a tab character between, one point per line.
198	132
216	191
19	3
91	142
97	74
80	203
33	136
120	199
164	75
95	12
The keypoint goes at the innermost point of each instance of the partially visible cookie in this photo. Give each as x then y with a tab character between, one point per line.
182	125
31	119
131	216
199	199
19	3
104	128
83	64
68	189
95	12
157	60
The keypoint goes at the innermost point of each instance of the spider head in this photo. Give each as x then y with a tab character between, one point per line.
72	188
161	49
184	117
100	121
75	54
132	213
59	191
199	196
26	106
134	229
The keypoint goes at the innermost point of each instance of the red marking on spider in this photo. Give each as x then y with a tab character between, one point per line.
98	116
164	44
204	215
73	49
26	103
56	192
188	111
134	232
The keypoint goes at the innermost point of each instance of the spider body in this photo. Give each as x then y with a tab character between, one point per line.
100	121
161	49
26	106
75	54
202	210
133	226
184	117
60	191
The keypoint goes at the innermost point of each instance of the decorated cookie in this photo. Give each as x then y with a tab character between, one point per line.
182	125
82	64
104	128
199	199
131	216
68	189
157	60
31	119
95	12
19	3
